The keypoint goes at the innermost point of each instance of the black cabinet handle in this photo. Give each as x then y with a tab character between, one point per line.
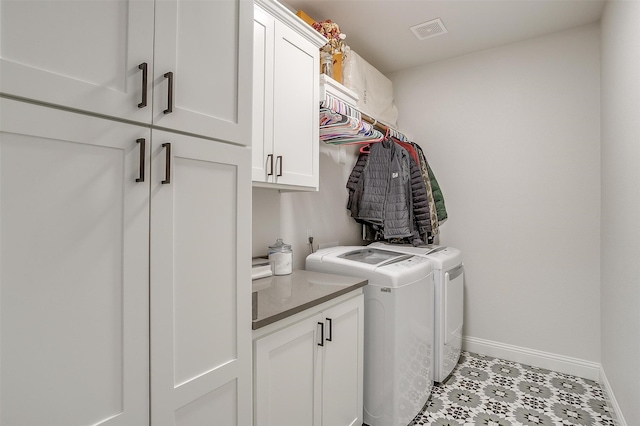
321	324
169	109
279	162
167	172
143	67
330	330
270	160
142	143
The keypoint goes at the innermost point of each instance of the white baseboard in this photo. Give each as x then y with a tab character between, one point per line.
560	363
618	418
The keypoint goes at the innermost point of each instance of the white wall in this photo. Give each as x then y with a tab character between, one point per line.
512	134
288	215
620	290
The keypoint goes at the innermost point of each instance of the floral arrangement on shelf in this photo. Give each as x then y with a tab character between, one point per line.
331	31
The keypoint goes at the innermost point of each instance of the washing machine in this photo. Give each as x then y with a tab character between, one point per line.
448	274
398	328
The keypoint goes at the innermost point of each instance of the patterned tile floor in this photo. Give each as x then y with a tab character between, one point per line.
493	392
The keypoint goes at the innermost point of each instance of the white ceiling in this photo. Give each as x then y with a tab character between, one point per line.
379	30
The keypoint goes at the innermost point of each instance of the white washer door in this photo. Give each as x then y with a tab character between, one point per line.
453	316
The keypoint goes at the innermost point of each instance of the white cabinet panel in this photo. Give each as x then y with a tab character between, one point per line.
285	99
262	134
74	277
204	216
207	45
295	109
343	367
200	284
87	55
309	370
81	229
74	311
79	54
287	380
218	407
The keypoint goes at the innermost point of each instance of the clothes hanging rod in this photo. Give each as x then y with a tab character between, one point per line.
383	127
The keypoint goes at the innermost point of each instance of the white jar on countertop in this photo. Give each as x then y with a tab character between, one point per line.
281	256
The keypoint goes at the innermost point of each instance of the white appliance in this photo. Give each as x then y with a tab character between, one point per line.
449	299
398	328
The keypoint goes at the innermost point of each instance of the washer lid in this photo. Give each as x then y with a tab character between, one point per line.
443	257
374	256
422	250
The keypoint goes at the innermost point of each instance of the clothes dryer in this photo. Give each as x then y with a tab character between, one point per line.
398	328
448	274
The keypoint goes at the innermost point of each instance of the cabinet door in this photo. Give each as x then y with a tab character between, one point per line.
74	281
295	109
262	134
343	364
200	283
287	375
79	54
207	45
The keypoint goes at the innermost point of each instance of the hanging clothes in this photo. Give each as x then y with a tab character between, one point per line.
405	210
387	193
438	197
433	215
421	205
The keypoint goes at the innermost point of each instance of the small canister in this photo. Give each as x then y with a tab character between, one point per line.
326	64
281	255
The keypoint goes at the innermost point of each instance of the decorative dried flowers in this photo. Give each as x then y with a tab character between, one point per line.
331	31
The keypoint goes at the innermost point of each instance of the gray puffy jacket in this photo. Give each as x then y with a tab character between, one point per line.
382	192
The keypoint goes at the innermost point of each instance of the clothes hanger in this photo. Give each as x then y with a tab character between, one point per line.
366	149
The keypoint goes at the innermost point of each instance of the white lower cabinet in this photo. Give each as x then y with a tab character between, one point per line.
74	277
124	300
200	282
308	370
343	364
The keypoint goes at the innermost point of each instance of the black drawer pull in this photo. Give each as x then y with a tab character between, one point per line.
270	160
143	67
167	172
321	324
169	109
142	143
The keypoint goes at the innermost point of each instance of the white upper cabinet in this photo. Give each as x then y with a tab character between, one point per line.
178	64
286	99
262	133
79	54
203	49
295	109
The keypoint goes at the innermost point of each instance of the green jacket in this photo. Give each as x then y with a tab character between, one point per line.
441	210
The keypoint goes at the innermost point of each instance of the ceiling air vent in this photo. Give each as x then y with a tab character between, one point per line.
429	29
